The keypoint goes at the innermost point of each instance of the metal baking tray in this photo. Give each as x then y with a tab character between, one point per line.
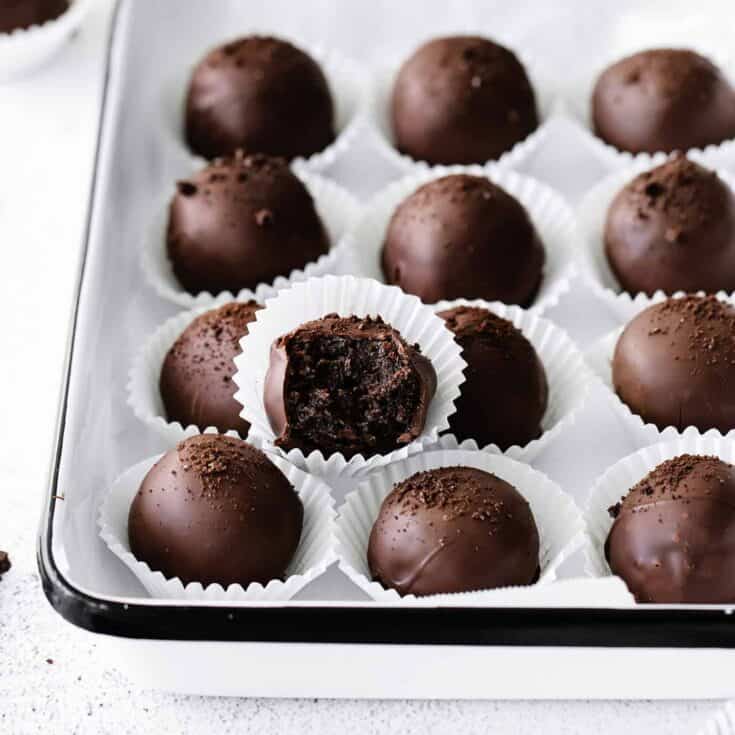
330	641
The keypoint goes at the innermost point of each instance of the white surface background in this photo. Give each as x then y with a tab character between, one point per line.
47	134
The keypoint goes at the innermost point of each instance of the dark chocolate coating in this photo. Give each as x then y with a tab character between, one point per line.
663	100
505	393
347	384
216	509
261	95
673	539
453	529
461	99
196	377
462	236
673	228
15	14
240	222
674	364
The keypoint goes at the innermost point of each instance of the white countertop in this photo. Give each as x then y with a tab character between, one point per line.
51	676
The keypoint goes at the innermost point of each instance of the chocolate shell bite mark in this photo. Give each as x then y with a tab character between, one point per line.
196	377
505	392
663	100
453	529
260	94
461	99
347	384
215	509
673	228
674	364
462	236
673	538
26	13
240	222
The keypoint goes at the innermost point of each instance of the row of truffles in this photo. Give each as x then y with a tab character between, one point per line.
673	535
22	14
216	510
354	385
456	99
246	220
672	228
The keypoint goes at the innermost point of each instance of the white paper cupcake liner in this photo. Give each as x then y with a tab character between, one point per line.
622	476
144	395
599	358
347	83
591	218
559	521
337	208
347	295
379	117
576	106
314	554
568	377
550	214
25	49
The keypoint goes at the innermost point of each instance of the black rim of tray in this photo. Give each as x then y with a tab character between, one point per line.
371	624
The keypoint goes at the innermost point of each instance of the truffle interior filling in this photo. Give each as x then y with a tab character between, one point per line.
350	391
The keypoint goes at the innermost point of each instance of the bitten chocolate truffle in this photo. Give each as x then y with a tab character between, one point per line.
462	236
453	529
663	100
461	99
347	384
196	376
505	393
240	222
262	95
215	509
674	364
16	14
673	538
673	228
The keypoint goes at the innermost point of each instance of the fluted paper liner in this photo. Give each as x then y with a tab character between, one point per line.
599	358
559	521
623	475
337	208
576	106
591	218
347	295
552	217
379	117
25	49
314	554
567	374
347	84
144	394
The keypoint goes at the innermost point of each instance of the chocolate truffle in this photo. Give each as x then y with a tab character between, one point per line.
674	364
215	509
462	236
453	529
240	222
15	14
673	538
461	99
196	376
4	563
347	384
673	228
505	392
260	94
663	100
